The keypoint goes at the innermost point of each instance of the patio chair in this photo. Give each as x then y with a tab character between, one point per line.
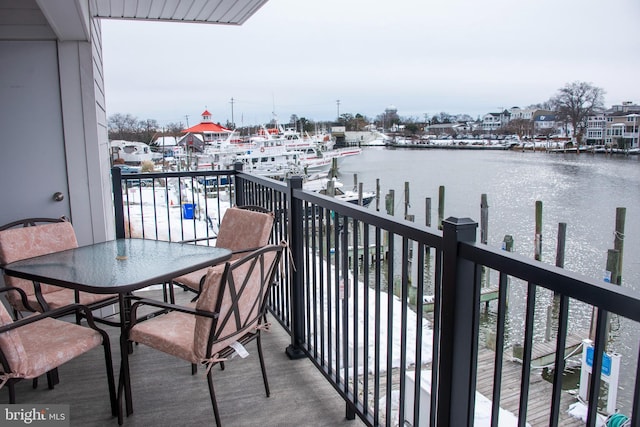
243	229
40	343
230	309
39	236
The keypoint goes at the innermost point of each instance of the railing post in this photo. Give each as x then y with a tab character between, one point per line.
459	327
118	202
296	240
239	189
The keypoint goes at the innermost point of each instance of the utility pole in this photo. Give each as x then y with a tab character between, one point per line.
233	123
338	104
187	119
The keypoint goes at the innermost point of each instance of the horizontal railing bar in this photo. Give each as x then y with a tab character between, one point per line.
613	298
422	234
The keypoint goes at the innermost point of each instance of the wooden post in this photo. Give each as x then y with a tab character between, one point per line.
406	199
413	260
547	331
538	237
610	276
440	206
333	172
331	189
355	181
427	218
507	245
484	224
618	240
562	238
390	205
377	194
360	190
484	219
613	260
390	202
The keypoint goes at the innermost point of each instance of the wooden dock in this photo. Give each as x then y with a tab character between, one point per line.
544	353
540	390
486	295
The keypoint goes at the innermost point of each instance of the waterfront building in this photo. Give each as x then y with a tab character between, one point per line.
616	127
493	121
210	132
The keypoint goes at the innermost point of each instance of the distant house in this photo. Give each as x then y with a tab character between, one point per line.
168	146
193	141
619	126
493	121
545	122
517	113
595	132
211	132
447	129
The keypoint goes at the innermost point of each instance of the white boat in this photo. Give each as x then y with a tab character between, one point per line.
133	152
321	186
318	160
277	155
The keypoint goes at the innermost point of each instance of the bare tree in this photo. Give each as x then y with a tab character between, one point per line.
520	127
122	126
575	102
174	129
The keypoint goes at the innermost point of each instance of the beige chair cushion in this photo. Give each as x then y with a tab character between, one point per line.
27	242
186	336
171	333
244	229
240	229
39	347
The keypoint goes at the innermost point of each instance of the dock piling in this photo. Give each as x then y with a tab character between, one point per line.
440	206
538	236
618	240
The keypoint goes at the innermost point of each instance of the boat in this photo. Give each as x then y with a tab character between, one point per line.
132	152
277	155
317	160
321	185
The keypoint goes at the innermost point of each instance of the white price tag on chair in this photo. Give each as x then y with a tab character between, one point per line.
239	348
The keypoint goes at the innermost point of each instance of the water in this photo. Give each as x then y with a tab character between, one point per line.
582	191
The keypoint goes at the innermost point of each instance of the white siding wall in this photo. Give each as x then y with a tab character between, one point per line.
80	121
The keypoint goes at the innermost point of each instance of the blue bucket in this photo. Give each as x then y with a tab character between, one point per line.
187	210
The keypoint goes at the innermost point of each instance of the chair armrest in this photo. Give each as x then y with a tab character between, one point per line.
165	306
23	297
58	312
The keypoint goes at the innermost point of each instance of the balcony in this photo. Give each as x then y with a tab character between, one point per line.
357	336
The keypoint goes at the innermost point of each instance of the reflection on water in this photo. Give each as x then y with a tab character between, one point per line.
582	191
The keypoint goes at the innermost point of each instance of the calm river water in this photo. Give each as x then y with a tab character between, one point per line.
582	191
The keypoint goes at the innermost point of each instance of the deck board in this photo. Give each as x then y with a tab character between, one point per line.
166	394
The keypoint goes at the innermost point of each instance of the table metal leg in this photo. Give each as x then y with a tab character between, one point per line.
125	378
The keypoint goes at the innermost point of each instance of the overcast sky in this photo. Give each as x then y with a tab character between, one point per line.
421	56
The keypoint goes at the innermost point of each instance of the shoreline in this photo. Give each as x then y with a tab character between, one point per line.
532	147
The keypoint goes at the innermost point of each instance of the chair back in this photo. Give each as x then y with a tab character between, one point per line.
31	241
238	294
242	229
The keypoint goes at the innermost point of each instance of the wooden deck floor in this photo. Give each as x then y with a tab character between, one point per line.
166	394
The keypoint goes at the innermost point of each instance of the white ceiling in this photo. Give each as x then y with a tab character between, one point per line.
232	12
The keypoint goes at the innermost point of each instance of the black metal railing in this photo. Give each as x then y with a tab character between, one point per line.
390	311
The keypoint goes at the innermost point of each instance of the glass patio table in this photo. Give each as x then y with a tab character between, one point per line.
118	267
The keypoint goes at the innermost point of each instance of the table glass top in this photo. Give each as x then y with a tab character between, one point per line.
118	265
